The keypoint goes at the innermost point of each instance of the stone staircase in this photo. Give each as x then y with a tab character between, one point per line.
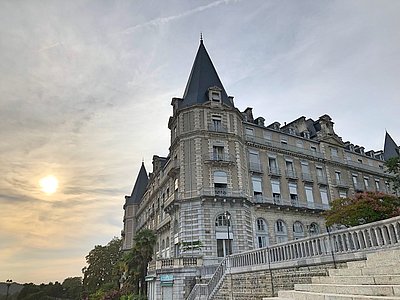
378	277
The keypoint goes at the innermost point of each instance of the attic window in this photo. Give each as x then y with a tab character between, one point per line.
215	96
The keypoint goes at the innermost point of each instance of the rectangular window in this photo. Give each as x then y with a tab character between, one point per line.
216	96
366	182
293	193
355	179
257	187
304	167
289	166
313	148
262	241
254	159
309	194
218	153
377	185
283	141
250	131
320	172
324	196
216	123
267	135
276	190
337	176
342	194
272	164
334	152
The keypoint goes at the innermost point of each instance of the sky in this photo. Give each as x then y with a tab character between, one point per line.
86	87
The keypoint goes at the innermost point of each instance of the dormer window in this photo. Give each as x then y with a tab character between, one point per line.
214	95
292	131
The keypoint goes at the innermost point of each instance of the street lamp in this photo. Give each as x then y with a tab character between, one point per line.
228	219
9	283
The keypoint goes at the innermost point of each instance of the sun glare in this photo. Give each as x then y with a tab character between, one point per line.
49	184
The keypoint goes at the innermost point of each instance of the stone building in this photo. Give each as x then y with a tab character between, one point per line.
233	183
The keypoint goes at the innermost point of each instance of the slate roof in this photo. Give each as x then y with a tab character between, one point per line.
202	77
139	188
390	149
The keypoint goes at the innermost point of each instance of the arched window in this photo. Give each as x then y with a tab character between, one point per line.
298	230
261	225
224	234
222	220
262	239
314	229
163	245
281	231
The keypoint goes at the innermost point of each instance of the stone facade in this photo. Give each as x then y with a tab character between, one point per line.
231	183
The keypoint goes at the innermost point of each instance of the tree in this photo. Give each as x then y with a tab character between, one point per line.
362	208
72	287
393	168
102	266
137	259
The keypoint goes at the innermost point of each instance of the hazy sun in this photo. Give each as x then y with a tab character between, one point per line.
49	184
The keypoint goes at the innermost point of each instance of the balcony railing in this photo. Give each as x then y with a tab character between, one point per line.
365	166
306	177
322	180
255	166
291	174
219	157
217	128
278	145
354	242
341	183
221	192
177	262
259	199
274	171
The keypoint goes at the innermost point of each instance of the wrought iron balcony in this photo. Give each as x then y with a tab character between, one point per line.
219	157
306	177
259	199
217	128
291	174
221	192
255	167
265	142
274	171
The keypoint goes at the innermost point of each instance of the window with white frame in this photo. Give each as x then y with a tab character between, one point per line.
366	182
220	183
377	185
342	194
216	122
293	194
309	194
273	167
338	176
276	191
261	233
314	229
280	231
249	131
298	230
257	187
355	179
254	159
218	152
324	196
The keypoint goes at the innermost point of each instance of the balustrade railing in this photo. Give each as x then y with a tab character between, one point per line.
278	145
362	239
259	199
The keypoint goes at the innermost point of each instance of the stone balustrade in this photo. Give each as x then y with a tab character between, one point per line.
340	245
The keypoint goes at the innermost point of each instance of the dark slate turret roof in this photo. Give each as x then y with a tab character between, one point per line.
139	188
390	149
202	77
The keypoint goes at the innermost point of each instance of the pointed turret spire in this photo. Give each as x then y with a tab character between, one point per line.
390	148
202	77
139	187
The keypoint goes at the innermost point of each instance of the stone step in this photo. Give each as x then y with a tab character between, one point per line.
356	264
384	256
379	270
375	279
372	290
301	295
